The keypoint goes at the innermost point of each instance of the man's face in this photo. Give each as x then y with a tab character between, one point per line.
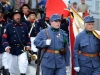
75	5
89	26
82	1
55	24
17	18
25	9
0	14
32	16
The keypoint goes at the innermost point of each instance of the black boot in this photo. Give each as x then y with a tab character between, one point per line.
7	72
2	71
36	61
29	61
23	74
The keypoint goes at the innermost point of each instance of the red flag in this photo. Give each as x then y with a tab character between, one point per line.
72	39
54	6
66	13
76	25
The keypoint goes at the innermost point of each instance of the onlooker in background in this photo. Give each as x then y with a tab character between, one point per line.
19	3
12	2
83	7
74	6
33	4
42	4
6	5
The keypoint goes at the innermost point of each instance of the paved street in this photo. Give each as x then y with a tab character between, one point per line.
31	69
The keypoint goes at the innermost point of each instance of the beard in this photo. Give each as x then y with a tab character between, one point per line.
18	20
3	2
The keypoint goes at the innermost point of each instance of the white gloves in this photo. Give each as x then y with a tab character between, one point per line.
48	41
77	69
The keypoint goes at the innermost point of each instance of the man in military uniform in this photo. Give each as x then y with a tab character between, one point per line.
42	24
55	44
15	40
2	51
32	23
25	9
86	50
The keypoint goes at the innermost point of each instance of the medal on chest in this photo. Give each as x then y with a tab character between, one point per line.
0	25
58	36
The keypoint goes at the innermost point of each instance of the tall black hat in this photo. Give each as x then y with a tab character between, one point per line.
16	11
24	5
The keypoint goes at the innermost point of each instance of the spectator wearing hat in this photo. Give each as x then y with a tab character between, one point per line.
52	40
15	39
86	50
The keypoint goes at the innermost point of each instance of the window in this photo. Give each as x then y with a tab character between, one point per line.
97	3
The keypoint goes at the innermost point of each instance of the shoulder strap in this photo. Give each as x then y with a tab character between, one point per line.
47	34
47	24
33	25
